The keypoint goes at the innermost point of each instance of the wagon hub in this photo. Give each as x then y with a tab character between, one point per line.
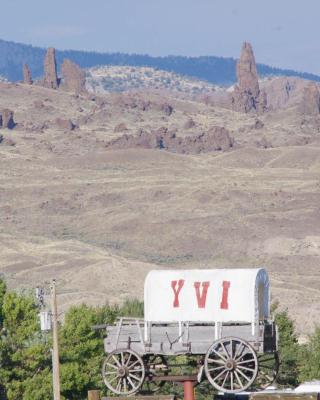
122	372
231	365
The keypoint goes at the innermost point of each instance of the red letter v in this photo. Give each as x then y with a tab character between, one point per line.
201	298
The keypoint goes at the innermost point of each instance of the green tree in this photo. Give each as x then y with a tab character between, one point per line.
132	308
24	354
82	350
310	358
3	290
288	350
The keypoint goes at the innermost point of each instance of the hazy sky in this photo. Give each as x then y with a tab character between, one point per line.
284	33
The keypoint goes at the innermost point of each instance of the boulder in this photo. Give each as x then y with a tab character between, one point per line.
6	119
65	124
27	79
216	139
50	70
167	109
74	78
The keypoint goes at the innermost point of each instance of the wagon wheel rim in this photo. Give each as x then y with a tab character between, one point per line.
268	370
123	372
231	365
153	364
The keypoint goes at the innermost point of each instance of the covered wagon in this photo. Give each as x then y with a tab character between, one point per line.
221	317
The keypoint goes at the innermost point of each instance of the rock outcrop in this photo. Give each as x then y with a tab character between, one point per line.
27	78
216	139
6	119
65	124
74	78
50	70
247	95
310	102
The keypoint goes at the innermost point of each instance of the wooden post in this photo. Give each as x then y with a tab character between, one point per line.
94	395
55	350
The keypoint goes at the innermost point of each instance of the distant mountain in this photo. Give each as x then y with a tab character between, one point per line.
216	70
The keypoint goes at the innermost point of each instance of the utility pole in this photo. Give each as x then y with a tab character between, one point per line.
55	350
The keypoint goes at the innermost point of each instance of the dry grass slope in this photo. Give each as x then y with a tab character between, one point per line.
98	220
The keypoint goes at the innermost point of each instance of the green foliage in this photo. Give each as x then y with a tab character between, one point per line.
24	354
132	308
82	350
3	290
288	350
310	358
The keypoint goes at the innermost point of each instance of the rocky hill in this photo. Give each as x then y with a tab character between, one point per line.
97	189
121	79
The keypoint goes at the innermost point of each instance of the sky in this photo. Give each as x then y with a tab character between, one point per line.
284	33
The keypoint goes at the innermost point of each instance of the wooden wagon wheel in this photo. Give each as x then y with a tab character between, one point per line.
231	365
268	369
123	372
156	366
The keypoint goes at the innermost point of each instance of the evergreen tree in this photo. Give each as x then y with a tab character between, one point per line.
24	353
310	358
288	350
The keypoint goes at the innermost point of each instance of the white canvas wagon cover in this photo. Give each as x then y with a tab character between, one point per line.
207	295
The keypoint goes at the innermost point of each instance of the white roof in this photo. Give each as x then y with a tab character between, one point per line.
207	295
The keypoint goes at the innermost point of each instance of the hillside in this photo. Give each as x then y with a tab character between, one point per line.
92	216
216	70
120	79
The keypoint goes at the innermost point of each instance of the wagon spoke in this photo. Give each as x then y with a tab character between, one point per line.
245	368
218	376
130	381
237	352
128	360
219	354
231	350
111	373
125	385
231	381
117	361
216	368
245	361
119	385
225	350
212	360
225	378
238	379
134	377
134	363
111	380
245	376
112	366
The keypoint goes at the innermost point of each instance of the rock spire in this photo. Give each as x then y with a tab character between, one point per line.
27	79
50	69
74	78
247	95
